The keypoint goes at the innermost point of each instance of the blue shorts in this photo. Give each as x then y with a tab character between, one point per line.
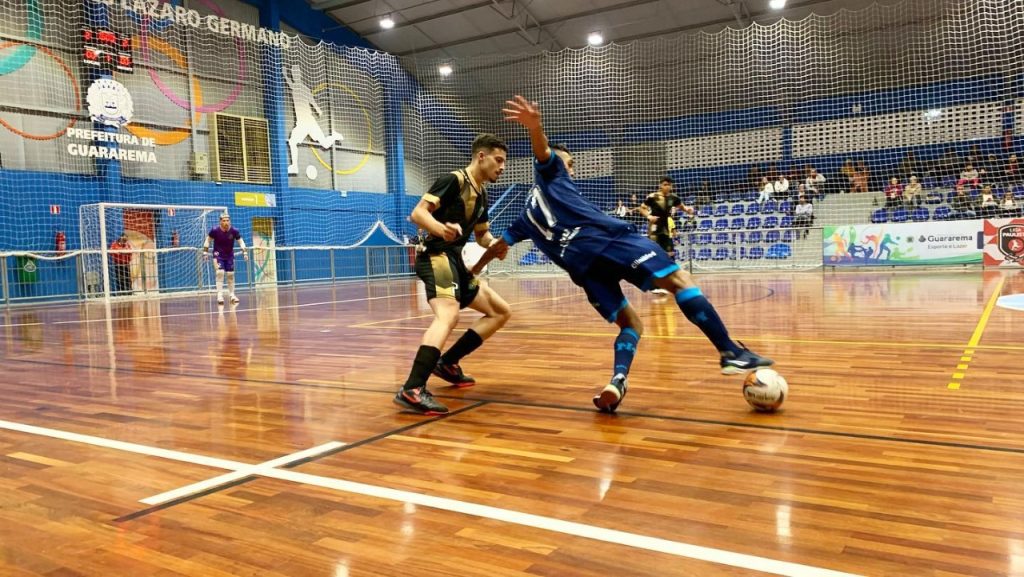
630	258
225	263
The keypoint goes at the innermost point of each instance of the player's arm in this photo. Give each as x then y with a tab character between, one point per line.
527	114
206	247
423	214
498	247
241	245
645	209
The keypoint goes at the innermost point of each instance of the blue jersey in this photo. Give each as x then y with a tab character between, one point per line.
562	224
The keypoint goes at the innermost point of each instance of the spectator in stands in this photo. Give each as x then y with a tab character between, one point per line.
848	171
988	171
913	194
909	166
767	187
989	204
636	218
893	194
969	175
621	210
814	182
804	214
1009	207
861	177
963	207
704	195
1011	174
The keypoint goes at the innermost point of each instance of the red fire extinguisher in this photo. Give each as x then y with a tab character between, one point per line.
60	242
175	239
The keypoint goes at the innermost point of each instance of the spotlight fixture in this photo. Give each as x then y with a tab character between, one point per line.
777	4
444	69
387	23
595	39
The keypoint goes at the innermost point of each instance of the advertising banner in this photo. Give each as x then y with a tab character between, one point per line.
910	243
1004	242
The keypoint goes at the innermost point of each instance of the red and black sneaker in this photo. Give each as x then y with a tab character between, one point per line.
454	375
419	400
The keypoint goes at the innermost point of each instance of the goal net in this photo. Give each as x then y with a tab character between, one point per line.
144	249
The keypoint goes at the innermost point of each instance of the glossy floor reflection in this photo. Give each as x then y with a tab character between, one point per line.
876	466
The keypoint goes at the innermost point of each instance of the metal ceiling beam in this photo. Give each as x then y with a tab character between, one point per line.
526	22
434	16
576	16
339	4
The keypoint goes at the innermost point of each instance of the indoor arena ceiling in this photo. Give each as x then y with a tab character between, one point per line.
438	29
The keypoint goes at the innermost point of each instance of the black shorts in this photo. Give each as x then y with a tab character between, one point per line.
446	276
664	240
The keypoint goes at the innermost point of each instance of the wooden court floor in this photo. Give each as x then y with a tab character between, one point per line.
172	438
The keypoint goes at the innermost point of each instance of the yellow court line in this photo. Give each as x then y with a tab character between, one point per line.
976	337
893	344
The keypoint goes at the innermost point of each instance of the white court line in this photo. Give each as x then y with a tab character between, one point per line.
259	469
216	312
635	540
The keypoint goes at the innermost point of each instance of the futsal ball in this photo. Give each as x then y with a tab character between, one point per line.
311	172
765	390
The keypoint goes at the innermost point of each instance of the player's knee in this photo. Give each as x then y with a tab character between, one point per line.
502	312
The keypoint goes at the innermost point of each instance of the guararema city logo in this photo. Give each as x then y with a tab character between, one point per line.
110	103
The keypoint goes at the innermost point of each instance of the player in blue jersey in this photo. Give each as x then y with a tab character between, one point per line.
599	251
224	237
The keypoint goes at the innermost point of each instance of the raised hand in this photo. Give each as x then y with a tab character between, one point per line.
522	111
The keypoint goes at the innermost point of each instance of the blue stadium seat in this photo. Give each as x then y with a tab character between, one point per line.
703	254
772	236
722	210
786	222
920	214
785	206
779	251
735	196
771	222
933	198
942	213
900	215
789	235
755	253
722	238
879	216
737	223
723	253
769	207
705	224
722	224
753	208
736	210
704	212
754	237
753	222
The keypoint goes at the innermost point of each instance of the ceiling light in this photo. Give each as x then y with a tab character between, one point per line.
387	23
444	69
595	39
777	4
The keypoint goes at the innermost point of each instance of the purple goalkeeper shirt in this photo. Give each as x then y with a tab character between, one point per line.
224	241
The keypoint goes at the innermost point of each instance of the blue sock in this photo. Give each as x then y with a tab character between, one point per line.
625	349
700	312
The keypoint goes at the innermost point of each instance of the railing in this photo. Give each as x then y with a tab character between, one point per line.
77	275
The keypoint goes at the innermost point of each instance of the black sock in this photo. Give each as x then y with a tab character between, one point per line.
422	366
467	343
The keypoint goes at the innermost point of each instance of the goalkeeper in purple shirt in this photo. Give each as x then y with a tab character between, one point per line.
599	251
224	237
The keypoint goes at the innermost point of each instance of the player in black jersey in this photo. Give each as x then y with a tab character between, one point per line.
659	209
453	208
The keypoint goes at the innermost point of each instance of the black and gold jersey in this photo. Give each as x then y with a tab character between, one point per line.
458	201
661	206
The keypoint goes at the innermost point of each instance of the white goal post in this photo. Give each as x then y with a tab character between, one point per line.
162	254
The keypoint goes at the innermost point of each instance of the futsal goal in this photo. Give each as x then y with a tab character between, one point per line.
144	249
